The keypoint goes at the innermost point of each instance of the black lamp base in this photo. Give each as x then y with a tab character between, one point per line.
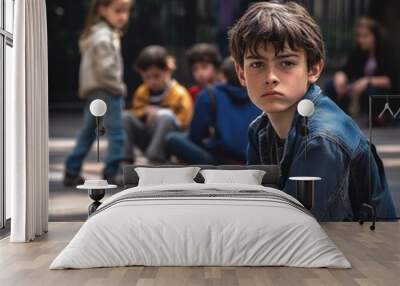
96	195
305	187
305	193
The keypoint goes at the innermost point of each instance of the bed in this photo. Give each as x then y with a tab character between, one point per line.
201	224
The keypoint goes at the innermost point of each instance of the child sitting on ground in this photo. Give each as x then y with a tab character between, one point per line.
159	106
218	130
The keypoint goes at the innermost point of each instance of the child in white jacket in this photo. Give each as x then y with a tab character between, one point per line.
101	77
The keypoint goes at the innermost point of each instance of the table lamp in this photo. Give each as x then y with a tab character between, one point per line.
306	109
305	186
97	188
98	108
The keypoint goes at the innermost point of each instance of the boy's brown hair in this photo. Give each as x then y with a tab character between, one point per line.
154	55
276	24
203	52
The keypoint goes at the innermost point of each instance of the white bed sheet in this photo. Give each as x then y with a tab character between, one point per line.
200	231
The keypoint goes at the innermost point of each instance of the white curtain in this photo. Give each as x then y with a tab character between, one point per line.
27	124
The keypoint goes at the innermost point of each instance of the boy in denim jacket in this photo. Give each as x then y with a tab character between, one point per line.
279	55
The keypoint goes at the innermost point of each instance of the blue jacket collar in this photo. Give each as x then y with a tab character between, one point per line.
313	93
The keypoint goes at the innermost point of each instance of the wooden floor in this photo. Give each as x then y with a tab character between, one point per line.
374	255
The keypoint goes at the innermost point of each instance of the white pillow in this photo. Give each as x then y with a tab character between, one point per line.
248	177
162	176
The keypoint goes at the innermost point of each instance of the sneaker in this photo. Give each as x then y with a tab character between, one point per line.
72	180
114	180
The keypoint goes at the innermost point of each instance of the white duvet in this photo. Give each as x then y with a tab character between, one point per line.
183	231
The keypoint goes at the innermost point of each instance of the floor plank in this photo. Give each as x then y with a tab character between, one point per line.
374	255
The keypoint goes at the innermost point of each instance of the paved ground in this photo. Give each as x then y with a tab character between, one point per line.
69	204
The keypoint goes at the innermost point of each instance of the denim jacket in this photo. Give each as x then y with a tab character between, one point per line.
337	151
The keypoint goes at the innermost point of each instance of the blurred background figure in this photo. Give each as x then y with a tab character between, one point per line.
101	77
218	132
369	69
160	105
204	61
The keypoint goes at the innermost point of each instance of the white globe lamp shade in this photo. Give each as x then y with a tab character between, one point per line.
306	108
98	107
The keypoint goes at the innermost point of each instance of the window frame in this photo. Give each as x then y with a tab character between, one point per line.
6	39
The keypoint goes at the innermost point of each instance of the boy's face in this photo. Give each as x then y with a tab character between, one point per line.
275	83
155	78
117	13
204	73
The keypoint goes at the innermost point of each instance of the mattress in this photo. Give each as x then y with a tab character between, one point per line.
201	225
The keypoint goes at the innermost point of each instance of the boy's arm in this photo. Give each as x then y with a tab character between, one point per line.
139	103
342	191
184	109
201	122
327	159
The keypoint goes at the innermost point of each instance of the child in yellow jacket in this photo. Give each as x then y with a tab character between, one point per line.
159	106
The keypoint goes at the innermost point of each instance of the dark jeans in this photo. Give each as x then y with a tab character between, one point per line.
112	122
181	146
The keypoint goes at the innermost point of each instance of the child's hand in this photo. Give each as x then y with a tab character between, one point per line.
151	112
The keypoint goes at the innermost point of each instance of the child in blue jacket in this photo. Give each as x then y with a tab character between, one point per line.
219	126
